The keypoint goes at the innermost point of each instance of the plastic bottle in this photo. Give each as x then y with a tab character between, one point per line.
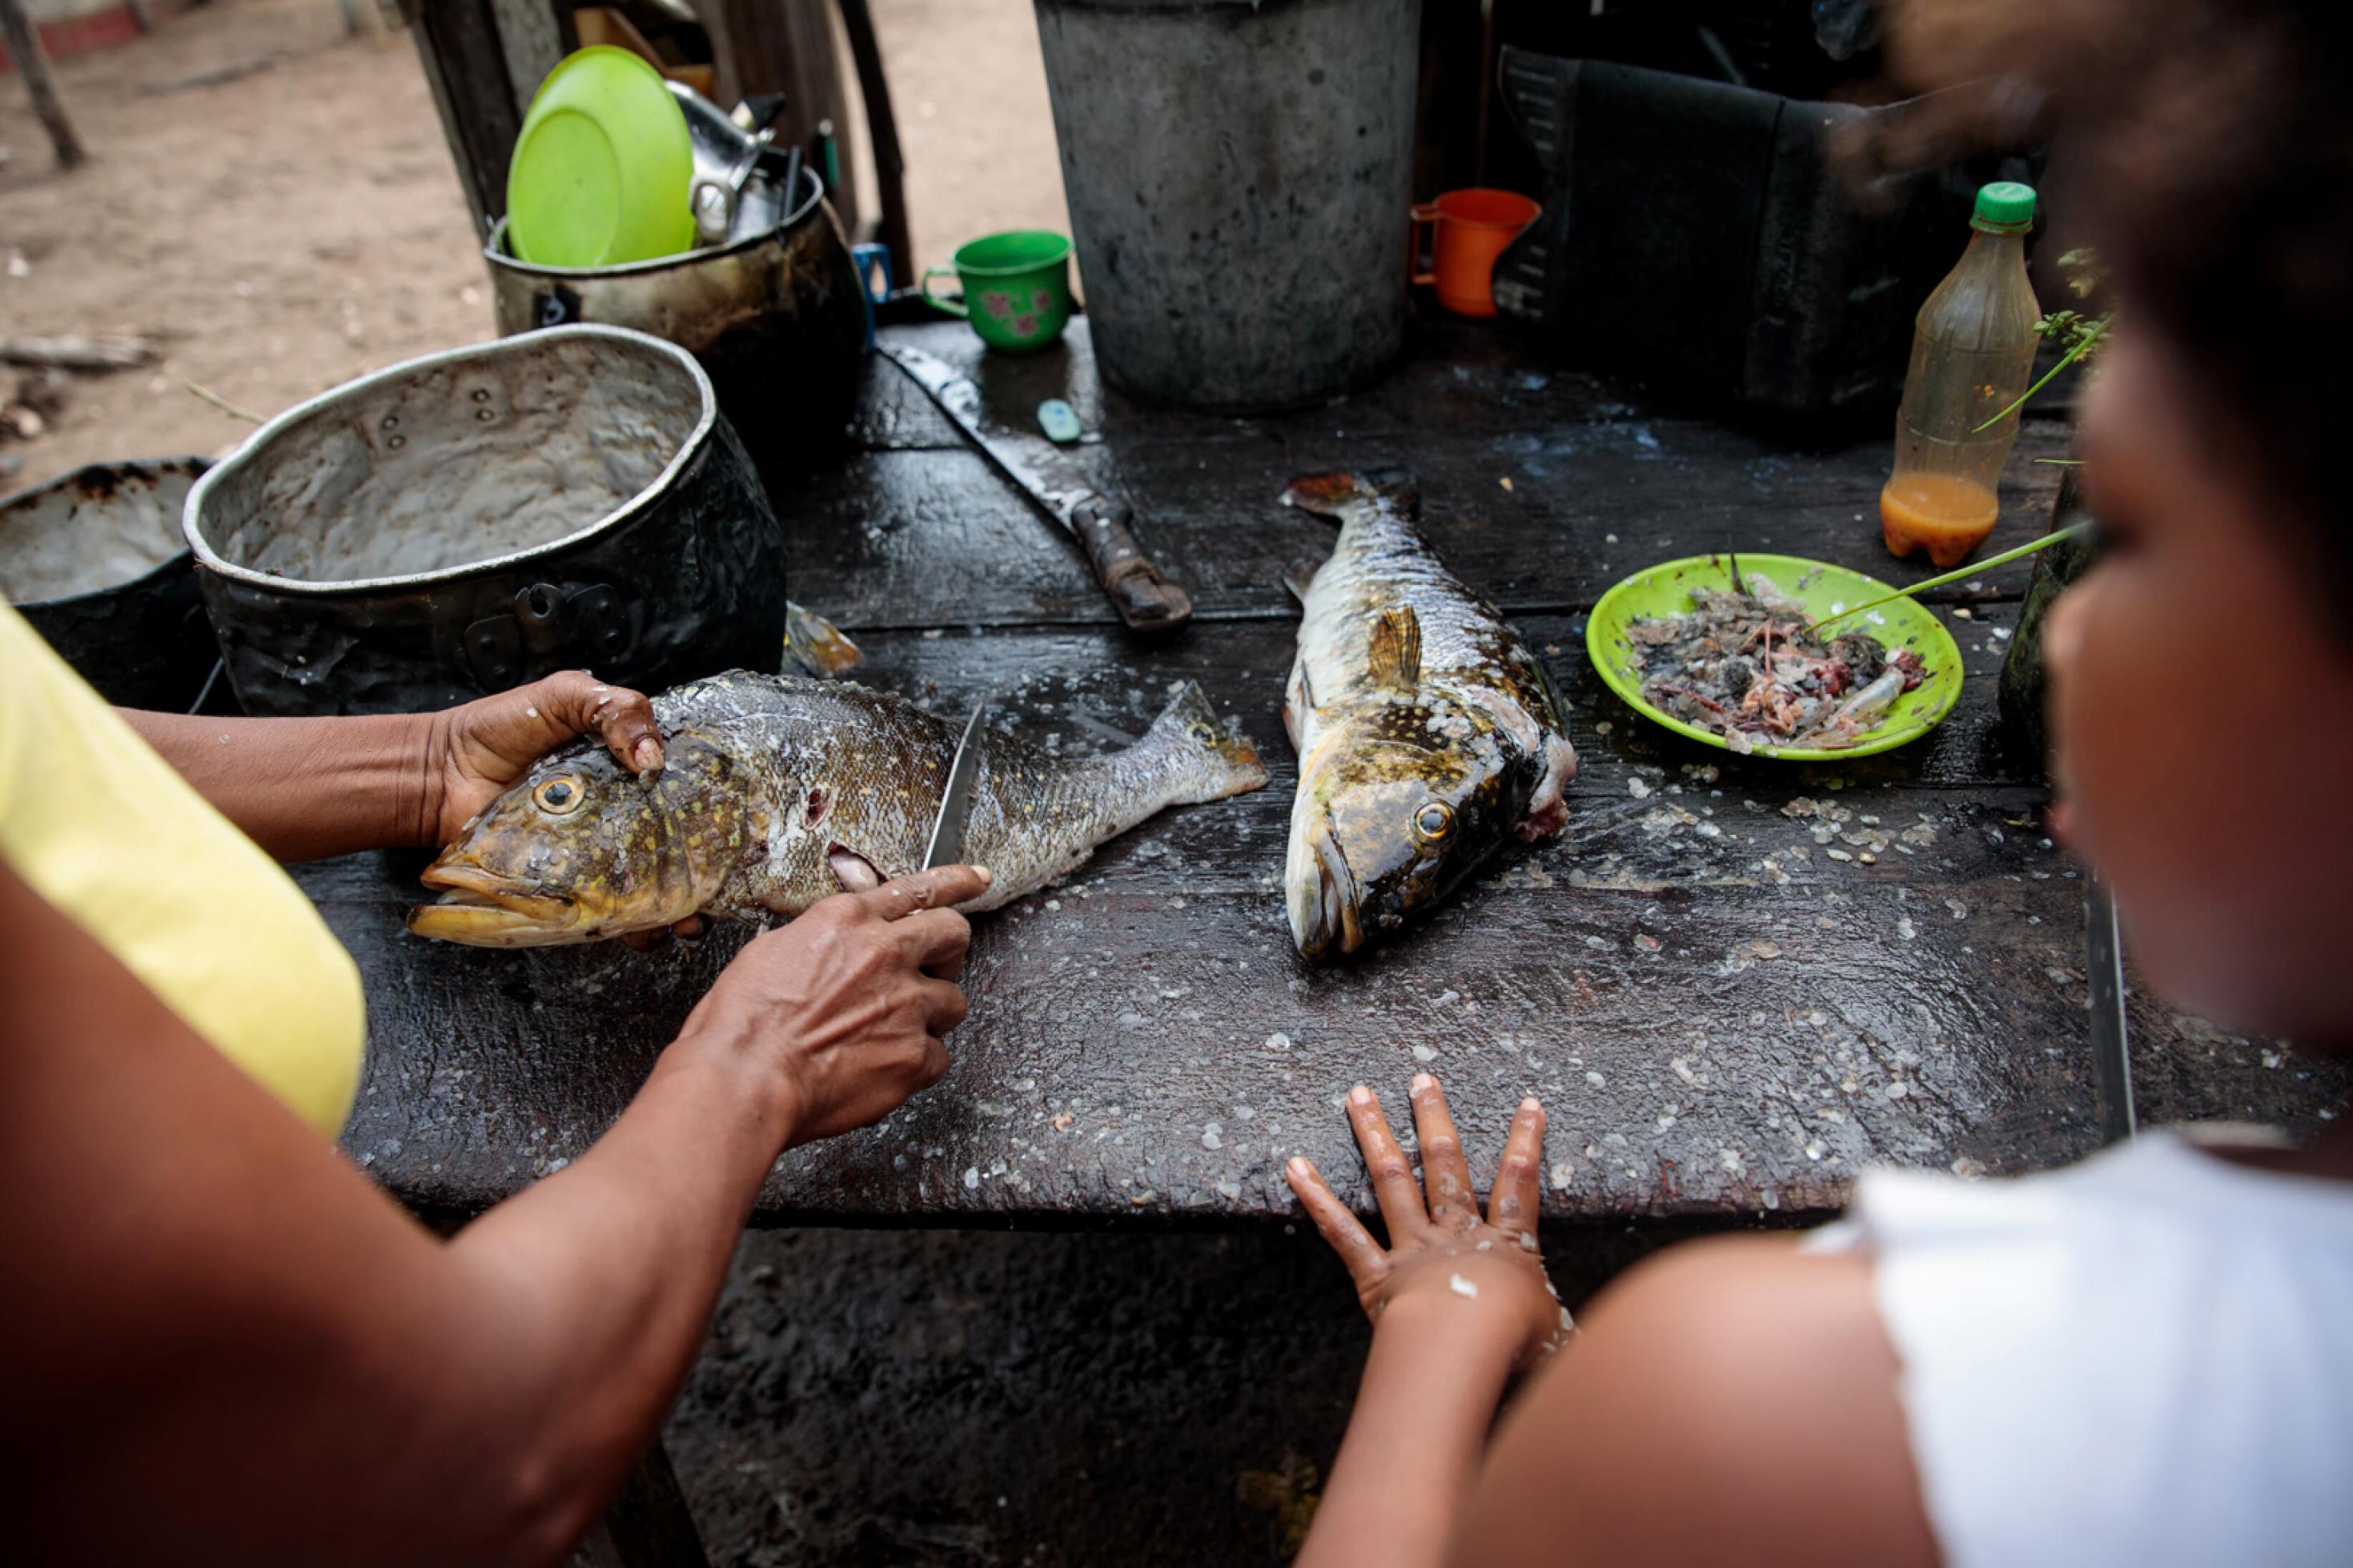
1972	355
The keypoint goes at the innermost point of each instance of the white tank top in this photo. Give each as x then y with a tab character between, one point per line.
2143	1359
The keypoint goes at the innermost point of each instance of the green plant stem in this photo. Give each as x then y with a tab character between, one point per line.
2004	558
2082	346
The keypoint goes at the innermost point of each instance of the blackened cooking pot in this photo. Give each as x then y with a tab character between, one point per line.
776	315
472	520
96	562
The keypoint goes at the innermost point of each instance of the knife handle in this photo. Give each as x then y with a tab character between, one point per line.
1146	600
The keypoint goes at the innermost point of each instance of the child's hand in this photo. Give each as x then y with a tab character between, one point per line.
1442	1260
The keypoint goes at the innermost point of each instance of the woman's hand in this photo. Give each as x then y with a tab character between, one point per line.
846	1005
1443	1265
475	751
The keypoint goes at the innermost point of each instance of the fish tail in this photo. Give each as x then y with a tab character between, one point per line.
1213	761
1327	494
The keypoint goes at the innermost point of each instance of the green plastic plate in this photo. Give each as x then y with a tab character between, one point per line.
1665	590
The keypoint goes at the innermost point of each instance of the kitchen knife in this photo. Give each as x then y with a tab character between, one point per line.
2112	1083
1143	597
946	847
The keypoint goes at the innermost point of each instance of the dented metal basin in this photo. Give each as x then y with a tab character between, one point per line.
472	519
95	562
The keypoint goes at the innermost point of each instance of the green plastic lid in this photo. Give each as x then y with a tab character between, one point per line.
2005	206
602	167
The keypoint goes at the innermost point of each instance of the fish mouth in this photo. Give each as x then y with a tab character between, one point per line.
483	909
1324	918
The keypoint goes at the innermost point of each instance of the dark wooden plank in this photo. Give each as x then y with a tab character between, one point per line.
465	63
923	535
1804	1010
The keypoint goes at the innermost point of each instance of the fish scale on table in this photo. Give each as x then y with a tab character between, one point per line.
776	790
1427	731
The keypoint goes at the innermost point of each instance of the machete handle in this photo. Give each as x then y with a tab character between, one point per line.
1146	600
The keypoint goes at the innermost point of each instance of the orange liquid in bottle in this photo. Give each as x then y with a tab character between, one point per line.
1948	515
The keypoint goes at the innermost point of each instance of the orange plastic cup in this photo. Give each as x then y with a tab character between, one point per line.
1471	227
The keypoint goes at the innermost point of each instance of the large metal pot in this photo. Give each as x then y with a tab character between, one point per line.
96	562
467	520
775	315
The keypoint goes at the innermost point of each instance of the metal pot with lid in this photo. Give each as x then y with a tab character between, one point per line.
776	313
95	562
465	522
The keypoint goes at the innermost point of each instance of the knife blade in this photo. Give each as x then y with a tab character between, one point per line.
946	847
2112	1083
1053	479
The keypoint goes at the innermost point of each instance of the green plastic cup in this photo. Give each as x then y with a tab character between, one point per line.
1017	288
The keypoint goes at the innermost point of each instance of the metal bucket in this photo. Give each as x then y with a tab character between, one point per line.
96	562
462	523
1239	173
776	315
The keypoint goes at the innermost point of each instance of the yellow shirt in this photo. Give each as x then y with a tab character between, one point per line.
103	828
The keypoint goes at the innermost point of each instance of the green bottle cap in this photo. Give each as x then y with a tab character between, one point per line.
2004	206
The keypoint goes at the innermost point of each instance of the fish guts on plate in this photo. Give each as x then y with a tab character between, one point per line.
1427	731
776	792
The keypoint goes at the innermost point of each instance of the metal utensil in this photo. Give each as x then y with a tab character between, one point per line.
946	847
2112	1086
1053	478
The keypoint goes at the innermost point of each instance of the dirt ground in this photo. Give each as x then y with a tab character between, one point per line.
282	230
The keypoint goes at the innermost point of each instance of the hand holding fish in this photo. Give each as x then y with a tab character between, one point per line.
847	1003
1444	1263
475	751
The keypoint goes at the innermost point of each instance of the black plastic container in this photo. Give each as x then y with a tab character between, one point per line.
96	562
473	520
1704	237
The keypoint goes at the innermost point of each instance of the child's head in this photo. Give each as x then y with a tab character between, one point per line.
2202	675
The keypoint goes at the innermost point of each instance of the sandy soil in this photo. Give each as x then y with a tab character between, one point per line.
283	231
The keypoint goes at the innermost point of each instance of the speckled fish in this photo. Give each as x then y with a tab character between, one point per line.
776	790
1426	731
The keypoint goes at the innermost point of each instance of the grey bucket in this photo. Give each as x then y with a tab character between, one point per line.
1237	173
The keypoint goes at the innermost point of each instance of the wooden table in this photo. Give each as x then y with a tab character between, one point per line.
1734	983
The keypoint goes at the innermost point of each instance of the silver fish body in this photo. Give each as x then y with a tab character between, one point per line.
1427	732
778	791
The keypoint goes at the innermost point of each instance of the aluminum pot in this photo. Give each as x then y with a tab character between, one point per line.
472	519
777	316
96	562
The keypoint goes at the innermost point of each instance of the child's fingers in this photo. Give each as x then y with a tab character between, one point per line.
1443	1170
1349	1238
1391	1172
1514	1203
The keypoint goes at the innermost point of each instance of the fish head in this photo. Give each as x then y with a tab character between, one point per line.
1385	825
579	848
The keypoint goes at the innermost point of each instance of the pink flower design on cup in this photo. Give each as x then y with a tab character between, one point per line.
997	303
1041	300
1025	325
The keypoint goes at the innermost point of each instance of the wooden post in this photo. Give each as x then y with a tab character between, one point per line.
33	65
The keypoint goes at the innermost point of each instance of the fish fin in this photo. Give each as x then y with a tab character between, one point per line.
1226	762
854	871
1299	576
816	645
1326	494
1394	648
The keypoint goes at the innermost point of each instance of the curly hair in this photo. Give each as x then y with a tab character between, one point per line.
2206	147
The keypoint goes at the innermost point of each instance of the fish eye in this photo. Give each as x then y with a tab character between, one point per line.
1434	821
559	796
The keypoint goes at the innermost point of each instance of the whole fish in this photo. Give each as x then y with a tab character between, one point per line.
1427	731
776	790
